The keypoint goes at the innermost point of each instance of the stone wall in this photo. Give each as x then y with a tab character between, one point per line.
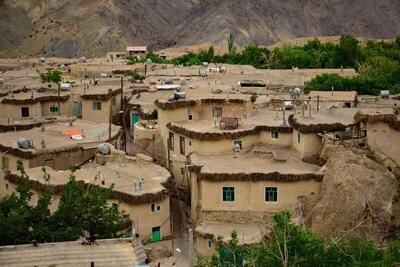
251	217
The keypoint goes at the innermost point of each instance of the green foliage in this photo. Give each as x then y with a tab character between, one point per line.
54	76
80	208
231	44
135	75
377	73
132	59
154	58
377	62
289	245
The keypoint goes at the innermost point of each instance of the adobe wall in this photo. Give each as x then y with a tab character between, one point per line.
62	160
145	220
201	246
13	111
310	143
384	140
100	116
13	161
65	108
249	196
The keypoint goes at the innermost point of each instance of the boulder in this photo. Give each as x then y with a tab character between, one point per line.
354	189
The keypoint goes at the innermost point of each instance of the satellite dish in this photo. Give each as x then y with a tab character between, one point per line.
24	143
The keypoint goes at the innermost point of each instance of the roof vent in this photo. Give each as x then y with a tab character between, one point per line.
24	143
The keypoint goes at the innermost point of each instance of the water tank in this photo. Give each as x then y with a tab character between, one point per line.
24	143
42	60
296	92
179	94
103	149
82	60
61	67
103	75
65	86
166	79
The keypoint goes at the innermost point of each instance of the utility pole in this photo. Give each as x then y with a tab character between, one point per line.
190	247
122	93
122	108
110	115
59	104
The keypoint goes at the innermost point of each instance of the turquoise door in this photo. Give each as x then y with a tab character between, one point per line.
135	118
156	234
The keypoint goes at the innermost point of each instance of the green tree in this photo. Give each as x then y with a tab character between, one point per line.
54	76
397	42
82	207
289	245
349	52
231	44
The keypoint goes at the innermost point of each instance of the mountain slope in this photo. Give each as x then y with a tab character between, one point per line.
87	27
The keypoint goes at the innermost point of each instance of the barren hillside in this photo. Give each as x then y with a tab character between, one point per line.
77	27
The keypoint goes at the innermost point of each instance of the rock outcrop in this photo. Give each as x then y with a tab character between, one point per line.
356	193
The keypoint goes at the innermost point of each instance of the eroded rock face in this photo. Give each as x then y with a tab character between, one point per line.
354	188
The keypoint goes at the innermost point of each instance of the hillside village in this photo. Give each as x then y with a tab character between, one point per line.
195	152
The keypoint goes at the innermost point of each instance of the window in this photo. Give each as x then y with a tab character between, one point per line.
25	112
217	112
182	145
209	243
53	109
5	164
96	105
274	135
155	207
171	141
6	186
228	194
271	194
298	140
238	143
190	117
20	165
114	100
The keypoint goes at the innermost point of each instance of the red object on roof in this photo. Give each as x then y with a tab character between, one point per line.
136	48
74	132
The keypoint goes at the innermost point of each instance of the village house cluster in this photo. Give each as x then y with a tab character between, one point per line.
233	143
